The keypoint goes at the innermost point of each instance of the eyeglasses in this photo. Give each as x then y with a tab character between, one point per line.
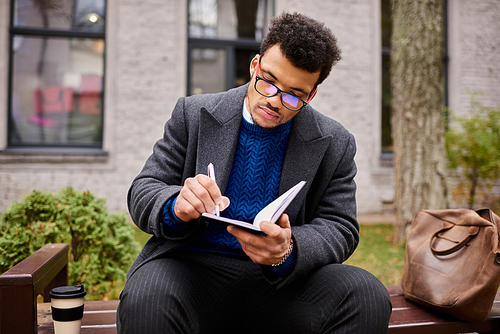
289	101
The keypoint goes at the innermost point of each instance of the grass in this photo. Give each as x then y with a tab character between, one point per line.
375	252
141	236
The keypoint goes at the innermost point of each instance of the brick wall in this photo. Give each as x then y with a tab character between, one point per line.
474	43
146	73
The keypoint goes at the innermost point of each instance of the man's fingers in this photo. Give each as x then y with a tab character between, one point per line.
251	244
275	230
188	206
270	229
284	221
261	249
245	238
224	203
211	193
198	195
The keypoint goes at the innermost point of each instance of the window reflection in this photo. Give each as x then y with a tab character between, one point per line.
57	91
89	15
56	82
227	18
81	15
203	18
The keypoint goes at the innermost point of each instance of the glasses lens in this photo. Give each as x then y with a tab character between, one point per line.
266	88
291	101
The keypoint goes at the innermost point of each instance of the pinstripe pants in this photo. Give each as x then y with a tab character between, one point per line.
198	292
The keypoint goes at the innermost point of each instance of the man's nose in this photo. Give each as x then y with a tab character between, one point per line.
275	100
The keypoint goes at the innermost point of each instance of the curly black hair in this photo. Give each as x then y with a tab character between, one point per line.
305	42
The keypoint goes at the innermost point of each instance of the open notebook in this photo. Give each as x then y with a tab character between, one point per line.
270	213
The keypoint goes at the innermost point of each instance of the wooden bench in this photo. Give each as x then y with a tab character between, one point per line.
47	268
410	318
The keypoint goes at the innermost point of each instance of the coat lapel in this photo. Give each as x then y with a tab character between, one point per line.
306	148
218	135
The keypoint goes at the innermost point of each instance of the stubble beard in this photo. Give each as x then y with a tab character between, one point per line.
255	111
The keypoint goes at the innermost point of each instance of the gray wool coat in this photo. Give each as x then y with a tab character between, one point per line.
204	129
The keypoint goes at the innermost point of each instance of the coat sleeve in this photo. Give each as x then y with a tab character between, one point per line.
162	176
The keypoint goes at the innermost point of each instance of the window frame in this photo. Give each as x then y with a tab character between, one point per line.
230	45
53	148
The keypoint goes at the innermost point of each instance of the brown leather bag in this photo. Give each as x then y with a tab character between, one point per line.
452	262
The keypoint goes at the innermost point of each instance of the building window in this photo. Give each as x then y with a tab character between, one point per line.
224	36
56	73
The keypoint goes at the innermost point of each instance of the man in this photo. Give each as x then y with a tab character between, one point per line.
263	138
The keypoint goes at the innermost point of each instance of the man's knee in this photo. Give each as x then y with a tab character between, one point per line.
371	301
154	299
364	288
366	284
355	294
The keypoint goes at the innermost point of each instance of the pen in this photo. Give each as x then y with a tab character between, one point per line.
211	174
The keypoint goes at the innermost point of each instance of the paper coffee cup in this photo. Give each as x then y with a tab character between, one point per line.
67	308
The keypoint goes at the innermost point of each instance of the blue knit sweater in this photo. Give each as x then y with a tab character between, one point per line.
253	183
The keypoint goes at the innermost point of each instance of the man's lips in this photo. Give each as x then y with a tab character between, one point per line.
268	114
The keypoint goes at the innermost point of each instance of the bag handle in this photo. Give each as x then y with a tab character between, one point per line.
472	232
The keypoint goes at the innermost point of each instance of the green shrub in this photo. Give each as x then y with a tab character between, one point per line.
101	244
474	150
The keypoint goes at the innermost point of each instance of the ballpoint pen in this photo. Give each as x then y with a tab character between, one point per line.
211	174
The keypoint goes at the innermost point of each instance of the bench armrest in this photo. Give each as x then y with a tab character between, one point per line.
20	286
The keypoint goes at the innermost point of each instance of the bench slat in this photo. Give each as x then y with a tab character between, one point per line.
410	318
84	330
99	317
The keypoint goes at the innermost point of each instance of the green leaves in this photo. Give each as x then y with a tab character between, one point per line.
102	244
474	148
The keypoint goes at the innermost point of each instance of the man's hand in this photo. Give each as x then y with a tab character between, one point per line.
267	249
198	195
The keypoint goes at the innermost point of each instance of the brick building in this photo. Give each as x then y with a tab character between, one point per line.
123	78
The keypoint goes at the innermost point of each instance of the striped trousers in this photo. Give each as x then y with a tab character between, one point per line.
199	292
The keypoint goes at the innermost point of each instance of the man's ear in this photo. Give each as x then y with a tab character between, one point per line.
253	65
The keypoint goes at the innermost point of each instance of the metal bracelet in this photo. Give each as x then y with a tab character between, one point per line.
285	257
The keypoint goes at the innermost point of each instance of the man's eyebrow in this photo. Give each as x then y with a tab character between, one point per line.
292	88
